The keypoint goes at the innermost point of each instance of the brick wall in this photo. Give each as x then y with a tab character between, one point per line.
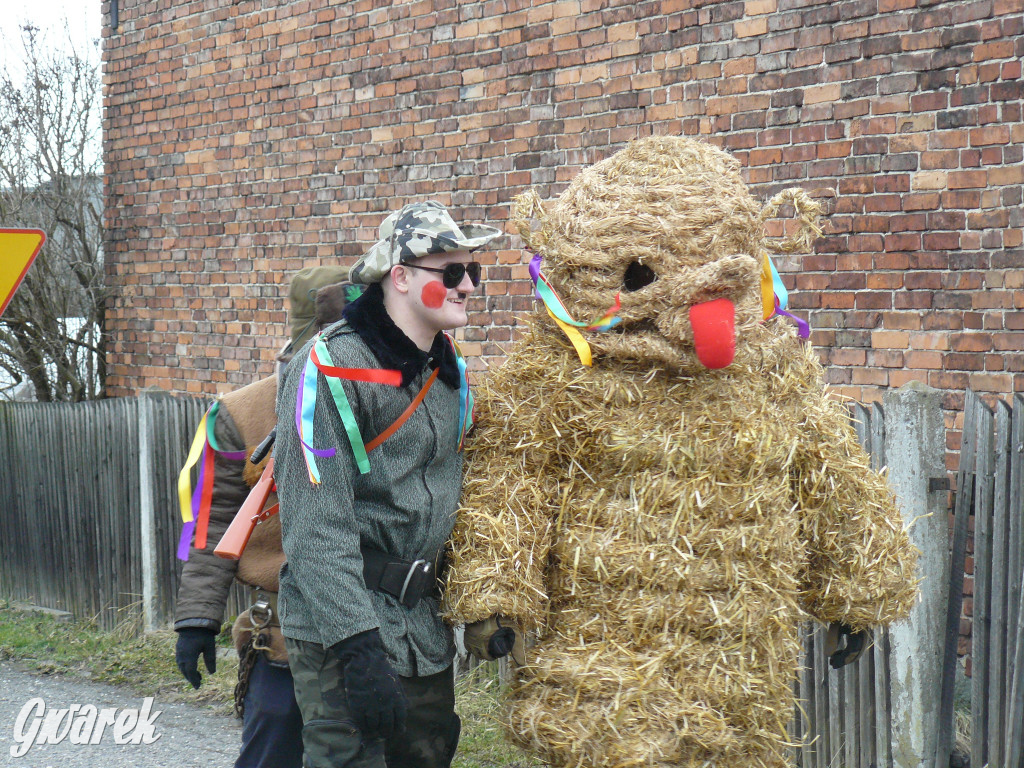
244	142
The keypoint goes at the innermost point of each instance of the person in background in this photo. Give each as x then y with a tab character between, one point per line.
272	724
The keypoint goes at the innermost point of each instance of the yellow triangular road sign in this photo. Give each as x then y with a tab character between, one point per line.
18	249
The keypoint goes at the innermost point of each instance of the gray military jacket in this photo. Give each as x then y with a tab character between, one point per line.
405	506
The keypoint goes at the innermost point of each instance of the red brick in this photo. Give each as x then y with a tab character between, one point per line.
923	360
890	339
901	321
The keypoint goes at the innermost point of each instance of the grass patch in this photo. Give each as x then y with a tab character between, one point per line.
142	663
483	743
145	665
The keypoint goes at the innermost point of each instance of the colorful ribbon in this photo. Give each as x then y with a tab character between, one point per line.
546	294
372	375
305	406
211	435
319	361
803	329
773	291
195	504
775	297
466	402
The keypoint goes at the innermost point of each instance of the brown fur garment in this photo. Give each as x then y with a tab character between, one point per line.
664	528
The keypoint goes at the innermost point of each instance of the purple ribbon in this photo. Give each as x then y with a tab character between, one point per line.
535	273
186	539
197	493
803	329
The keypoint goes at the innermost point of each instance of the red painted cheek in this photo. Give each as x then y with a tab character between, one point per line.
434	295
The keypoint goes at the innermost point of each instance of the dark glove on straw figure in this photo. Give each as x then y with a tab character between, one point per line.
659	487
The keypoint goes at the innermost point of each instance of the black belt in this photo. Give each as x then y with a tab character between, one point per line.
408	582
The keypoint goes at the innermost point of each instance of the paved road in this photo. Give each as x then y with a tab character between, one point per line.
186	736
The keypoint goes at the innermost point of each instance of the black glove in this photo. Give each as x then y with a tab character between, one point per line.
191	642
372	689
491	639
851	650
501	642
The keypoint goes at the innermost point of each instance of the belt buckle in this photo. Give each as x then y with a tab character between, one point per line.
260	614
419	568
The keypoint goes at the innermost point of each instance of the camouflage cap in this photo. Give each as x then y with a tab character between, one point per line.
416	230
302	300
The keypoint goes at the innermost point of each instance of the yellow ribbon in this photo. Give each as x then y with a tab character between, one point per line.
185	477
767	289
581	345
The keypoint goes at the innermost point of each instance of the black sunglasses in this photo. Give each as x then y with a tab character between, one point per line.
452	274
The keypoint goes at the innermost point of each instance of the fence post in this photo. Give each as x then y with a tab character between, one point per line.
915	439
148	474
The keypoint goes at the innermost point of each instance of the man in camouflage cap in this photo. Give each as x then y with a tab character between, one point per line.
370	656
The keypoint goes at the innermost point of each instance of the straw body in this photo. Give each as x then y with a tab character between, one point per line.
663	537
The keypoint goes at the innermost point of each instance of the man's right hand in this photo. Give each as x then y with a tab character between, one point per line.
191	642
494	638
372	689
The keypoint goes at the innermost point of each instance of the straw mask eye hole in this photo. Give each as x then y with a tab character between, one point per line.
638	276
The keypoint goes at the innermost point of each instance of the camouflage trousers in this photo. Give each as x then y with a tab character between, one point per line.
329	735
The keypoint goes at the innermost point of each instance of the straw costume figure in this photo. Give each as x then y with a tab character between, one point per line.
662	502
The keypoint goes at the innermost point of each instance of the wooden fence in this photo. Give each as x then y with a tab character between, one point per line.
69	529
90	523
866	715
90	514
991	479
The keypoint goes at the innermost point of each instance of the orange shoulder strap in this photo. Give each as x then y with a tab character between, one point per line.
405	414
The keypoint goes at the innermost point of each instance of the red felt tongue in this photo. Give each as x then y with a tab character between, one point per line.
714	332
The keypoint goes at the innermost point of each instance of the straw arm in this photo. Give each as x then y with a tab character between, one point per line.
861	566
499	545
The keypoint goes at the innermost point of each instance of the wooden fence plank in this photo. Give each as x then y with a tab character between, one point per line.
981	620
872	670
794	730
41	523
1015	705
7	520
883	705
836	707
961	514
850	687
998	584
851	709
72	499
821	680
100	507
866	719
807	753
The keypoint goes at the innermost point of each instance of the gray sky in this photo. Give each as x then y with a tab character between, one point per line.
82	19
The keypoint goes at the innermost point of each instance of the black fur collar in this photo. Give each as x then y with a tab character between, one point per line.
393	349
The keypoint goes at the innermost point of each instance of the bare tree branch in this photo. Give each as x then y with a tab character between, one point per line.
51	178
